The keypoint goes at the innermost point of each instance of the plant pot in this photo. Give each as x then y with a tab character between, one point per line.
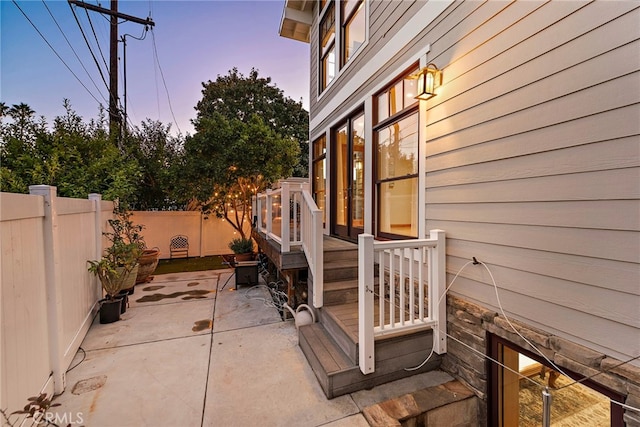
147	264
125	300
130	280
110	310
244	257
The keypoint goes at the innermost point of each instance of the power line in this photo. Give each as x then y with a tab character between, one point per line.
54	51
155	50
73	50
88	46
104	61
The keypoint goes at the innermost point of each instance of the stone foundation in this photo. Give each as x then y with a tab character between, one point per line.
470	324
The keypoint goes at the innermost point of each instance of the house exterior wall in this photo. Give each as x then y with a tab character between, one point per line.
530	153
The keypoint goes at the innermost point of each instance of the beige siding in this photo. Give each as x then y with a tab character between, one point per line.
533	165
533	154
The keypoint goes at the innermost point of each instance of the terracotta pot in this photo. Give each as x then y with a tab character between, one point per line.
244	257
147	262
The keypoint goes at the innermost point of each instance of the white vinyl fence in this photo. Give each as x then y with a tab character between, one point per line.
47	297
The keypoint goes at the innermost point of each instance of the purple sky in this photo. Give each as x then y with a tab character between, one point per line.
196	41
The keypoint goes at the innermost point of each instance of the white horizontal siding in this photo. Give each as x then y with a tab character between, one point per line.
533	165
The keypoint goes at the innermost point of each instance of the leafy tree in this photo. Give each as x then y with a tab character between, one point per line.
76	157
158	154
248	135
240	97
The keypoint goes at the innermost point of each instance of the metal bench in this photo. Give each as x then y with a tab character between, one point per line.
179	246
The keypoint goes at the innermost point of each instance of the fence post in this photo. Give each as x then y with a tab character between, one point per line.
97	202
366	356
439	283
53	283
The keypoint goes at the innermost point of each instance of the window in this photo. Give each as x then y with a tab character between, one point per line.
327	46
350	31
516	384
353	28
319	174
397	155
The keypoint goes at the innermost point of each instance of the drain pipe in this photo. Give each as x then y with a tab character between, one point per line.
546	407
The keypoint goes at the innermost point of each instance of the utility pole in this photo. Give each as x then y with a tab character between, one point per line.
114	114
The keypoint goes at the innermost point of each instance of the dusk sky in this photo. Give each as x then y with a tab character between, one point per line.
196	41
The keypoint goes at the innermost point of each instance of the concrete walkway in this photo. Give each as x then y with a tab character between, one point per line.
189	353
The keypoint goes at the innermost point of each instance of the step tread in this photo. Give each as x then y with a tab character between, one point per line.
331	357
341	263
341	285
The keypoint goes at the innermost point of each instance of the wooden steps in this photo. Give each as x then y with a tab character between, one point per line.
331	345
338	374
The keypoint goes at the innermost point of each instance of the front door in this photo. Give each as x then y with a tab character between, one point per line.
348	187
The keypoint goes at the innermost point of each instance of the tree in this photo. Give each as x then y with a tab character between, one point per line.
248	135
158	155
240	97
76	157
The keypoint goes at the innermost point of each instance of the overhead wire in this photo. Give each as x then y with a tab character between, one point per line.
95	60
93	30
73	50
55	52
155	50
129	105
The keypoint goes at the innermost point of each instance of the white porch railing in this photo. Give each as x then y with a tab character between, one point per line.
408	291
290	216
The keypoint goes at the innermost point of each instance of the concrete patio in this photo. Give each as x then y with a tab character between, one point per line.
189	352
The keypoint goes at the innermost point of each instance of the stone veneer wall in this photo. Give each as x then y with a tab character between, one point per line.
470	323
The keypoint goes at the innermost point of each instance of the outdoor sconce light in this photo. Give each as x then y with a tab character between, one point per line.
429	78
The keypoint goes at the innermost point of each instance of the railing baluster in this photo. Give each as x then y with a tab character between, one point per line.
392	288
421	315
412	301
382	289
401	283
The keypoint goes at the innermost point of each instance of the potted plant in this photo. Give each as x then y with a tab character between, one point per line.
118	267
242	248
124	229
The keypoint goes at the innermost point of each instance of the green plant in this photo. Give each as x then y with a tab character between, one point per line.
121	257
241	245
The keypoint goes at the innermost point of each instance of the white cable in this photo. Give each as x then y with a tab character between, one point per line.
495	287
415	368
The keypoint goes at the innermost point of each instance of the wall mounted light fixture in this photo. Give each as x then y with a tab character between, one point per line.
429	78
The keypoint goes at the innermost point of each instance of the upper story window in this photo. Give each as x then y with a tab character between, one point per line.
327	45
344	21
354	30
